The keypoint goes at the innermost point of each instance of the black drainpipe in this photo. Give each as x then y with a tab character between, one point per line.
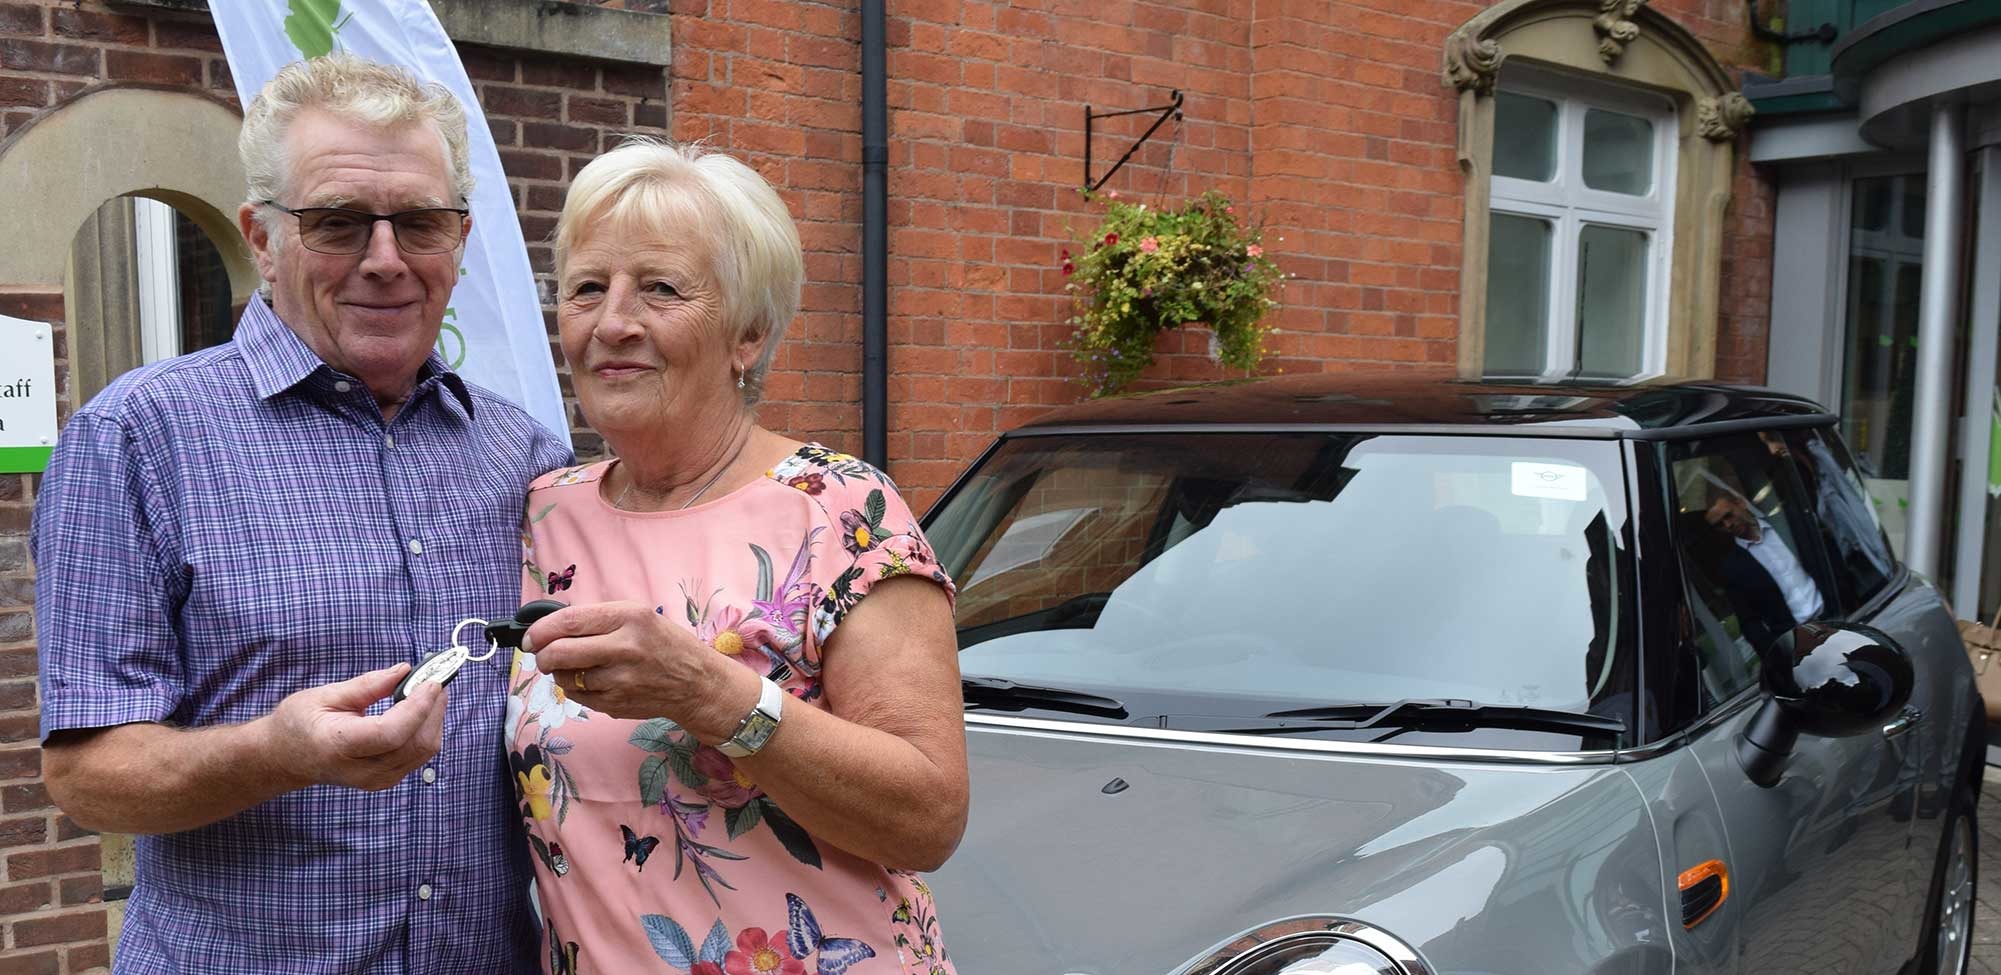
875	238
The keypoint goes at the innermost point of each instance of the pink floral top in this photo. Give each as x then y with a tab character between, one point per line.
650	847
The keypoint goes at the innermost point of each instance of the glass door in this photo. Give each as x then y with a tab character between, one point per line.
1886	245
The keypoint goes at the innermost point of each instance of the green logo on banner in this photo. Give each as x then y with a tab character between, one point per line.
449	334
312	25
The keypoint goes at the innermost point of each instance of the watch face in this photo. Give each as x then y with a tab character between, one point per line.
757	730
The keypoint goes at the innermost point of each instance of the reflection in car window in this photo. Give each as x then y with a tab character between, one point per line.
1238	574
1749	551
1857	549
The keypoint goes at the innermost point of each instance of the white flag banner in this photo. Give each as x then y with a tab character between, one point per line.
493	332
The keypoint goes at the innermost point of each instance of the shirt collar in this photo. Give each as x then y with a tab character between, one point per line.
1764	530
279	360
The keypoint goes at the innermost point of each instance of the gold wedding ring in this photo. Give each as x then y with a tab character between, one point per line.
580	681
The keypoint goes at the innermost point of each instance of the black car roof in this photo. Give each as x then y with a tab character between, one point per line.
1648	410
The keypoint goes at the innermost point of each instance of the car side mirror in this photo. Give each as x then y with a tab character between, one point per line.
1829	679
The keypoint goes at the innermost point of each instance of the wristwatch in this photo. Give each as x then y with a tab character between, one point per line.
757	726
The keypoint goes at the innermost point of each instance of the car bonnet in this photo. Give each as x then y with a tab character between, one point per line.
1092	854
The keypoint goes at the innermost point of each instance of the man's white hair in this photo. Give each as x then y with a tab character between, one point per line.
354	89
671	191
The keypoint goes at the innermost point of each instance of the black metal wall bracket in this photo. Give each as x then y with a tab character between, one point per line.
1172	108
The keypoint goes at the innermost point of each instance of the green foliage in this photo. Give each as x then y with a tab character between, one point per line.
1146	269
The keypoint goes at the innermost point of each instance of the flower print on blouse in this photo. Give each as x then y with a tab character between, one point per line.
651	847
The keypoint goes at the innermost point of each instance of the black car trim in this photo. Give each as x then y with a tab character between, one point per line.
1639	465
1693	431
1382	429
1509	756
1512	756
1744	698
1718	428
1885	594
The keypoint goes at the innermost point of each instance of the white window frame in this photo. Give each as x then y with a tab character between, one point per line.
1569	205
157	265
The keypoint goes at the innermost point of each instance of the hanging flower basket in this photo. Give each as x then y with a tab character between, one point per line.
1145	270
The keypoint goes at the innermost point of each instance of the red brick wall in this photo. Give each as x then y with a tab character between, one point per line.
1326	117
52	916
777	83
550	116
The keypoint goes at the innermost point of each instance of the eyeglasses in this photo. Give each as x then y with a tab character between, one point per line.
338	230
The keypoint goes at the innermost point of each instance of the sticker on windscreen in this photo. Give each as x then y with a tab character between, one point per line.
1561	482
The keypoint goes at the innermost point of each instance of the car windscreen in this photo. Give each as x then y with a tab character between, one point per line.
1210	581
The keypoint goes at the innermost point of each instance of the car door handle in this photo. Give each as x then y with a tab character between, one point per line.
1903	722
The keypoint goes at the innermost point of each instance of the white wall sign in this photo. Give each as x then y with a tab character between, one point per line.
27	395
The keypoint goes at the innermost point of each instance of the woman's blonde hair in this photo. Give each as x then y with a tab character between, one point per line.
648	185
354	89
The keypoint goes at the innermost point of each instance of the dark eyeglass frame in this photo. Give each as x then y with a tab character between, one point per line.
395	226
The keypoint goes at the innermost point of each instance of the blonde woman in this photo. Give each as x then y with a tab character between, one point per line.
744	734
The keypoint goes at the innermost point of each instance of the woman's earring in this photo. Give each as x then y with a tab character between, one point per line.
739	380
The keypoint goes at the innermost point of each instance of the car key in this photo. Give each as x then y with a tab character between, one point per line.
439	668
511	633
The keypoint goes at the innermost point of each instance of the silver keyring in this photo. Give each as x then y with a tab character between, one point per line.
492	645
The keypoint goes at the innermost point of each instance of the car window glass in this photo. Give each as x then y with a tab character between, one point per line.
1750	554
1070	533
1215	575
1857	550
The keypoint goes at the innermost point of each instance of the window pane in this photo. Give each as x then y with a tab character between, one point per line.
1885	267
1853	537
1611	300
1524	137
1748	551
1914	206
1518	255
205	293
1618	152
1873	200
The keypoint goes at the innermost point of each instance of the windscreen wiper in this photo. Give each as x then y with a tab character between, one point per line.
1000	694
1438	714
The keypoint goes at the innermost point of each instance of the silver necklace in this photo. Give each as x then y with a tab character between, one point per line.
704	489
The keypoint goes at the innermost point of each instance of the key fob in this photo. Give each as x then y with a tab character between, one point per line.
510	633
439	668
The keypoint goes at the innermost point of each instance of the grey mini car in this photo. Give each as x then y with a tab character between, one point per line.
1317	675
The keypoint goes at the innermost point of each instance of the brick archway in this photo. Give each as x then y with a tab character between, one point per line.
171	145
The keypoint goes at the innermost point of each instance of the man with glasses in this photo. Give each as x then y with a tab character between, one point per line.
242	551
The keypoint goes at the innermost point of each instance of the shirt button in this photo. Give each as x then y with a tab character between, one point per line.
423	892
343	386
430	775
416	547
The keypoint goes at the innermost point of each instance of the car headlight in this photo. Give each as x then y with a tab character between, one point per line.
1311	946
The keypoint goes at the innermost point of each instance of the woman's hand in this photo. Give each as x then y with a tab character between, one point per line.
626	660
880	772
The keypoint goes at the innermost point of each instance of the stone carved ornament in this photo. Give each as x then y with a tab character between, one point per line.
1615	27
1720	119
1471	63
